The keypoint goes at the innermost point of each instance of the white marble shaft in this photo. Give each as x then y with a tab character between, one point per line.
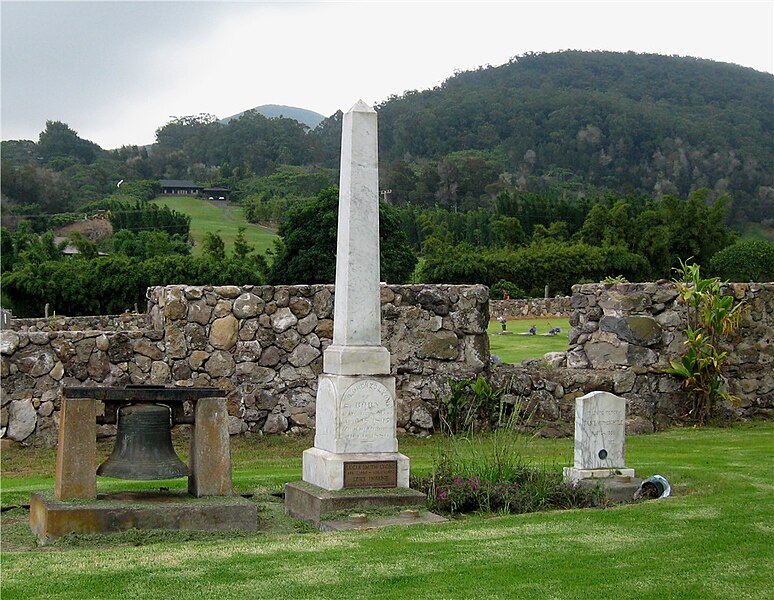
356	347
600	431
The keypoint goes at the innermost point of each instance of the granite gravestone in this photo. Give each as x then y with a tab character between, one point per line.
600	437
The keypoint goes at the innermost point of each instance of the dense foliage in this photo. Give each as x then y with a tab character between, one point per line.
147	244
307	252
632	123
143	216
637	239
266	199
111	284
150	247
746	260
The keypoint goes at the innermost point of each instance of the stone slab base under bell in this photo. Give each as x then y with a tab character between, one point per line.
316	505
118	511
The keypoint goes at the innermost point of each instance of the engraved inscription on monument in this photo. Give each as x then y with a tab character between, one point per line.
375	473
367	412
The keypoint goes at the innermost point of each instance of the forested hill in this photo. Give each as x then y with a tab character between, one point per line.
572	124
630	122
552	169
701	100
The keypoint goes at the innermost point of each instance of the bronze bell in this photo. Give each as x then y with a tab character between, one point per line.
143	448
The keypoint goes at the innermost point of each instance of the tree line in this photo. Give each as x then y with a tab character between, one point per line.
617	240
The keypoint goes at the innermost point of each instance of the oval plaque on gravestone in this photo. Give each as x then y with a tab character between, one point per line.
367	412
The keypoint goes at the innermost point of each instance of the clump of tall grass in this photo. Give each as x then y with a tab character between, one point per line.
486	472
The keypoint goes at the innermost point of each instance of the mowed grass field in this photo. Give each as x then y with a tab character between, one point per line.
712	539
513	348
222	218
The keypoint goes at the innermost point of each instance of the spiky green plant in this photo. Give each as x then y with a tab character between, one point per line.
711	317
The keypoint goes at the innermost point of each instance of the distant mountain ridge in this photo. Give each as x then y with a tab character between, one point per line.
624	123
273	111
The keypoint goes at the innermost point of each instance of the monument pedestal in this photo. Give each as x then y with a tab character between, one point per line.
317	506
355	443
333	471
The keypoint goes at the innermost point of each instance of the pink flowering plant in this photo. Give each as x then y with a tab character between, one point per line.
534	490
496	480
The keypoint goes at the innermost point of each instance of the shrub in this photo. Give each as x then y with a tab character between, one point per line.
470	405
110	284
498	290
307	252
748	260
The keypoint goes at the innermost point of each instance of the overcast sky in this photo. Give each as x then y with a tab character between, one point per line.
116	71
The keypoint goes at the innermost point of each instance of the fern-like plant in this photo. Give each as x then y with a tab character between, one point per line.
711	317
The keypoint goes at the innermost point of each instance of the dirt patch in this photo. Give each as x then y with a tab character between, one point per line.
95	230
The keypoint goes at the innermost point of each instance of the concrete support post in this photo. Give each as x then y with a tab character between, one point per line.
210	461
76	468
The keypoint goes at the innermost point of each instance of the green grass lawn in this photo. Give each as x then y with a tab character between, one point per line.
712	539
513	348
222	218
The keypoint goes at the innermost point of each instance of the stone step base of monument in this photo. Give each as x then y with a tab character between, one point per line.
328	470
617	488
335	510
119	511
363	521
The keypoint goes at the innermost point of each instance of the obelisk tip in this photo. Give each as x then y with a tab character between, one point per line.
361	106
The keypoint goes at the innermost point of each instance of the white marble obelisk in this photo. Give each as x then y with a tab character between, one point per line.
355	443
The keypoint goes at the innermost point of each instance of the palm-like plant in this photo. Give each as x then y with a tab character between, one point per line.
711	316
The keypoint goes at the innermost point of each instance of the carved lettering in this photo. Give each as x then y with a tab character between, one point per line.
367	412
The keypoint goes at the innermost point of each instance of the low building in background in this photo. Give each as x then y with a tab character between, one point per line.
179	187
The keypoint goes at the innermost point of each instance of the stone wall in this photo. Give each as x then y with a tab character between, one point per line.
641	327
125	322
262	344
522	308
623	336
35	364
